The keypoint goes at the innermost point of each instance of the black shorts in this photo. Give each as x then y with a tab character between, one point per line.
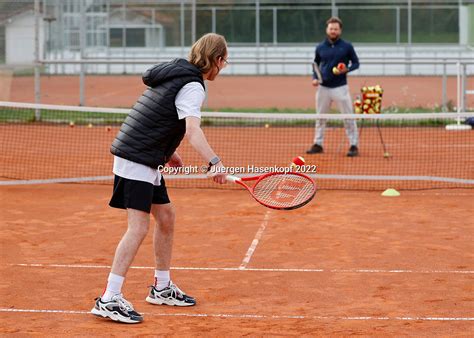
137	194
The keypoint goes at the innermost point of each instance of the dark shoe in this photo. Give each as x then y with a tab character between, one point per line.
315	149
353	151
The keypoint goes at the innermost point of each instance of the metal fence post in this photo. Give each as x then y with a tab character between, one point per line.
409	30
182	27
275	26
82	44
444	103
37	61
193	22
464	87
213	23
458	87
257	33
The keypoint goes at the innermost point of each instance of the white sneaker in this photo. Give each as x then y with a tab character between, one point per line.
117	309
171	295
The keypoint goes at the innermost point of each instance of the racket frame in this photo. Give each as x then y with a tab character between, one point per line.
241	180
317	71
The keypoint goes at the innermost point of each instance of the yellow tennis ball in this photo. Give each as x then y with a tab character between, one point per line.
267	125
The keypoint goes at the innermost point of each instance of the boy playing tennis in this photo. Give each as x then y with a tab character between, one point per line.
166	112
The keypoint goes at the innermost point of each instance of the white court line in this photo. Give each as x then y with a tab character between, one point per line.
408	193
58	180
82	266
255	241
204	176
255	316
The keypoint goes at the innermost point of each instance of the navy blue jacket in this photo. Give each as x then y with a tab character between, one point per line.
328	55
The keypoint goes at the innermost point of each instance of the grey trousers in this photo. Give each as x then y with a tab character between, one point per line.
342	97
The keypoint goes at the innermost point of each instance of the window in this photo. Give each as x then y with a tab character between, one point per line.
134	37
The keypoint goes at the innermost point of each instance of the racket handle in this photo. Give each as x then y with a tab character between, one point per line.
232	179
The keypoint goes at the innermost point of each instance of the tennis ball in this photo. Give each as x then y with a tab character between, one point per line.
335	71
386	154
89	125
298	161
71	124
267	125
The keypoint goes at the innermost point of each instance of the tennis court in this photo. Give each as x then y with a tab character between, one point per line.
350	262
353	261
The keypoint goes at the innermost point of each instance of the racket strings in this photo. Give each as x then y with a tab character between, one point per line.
284	190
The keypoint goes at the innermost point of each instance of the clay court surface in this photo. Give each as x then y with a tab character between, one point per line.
348	263
236	92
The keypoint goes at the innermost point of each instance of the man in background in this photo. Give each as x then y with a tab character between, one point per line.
333	84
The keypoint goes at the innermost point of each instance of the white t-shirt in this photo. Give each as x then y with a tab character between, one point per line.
188	103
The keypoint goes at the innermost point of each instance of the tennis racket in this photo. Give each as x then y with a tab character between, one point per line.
283	191
317	72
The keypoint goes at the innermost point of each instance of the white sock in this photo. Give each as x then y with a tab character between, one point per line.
162	279
114	287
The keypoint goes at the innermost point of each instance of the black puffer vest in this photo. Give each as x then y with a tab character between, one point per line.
152	131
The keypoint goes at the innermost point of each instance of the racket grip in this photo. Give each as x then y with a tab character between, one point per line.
232	179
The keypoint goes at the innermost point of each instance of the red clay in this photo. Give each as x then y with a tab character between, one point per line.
426	234
293	92
71	224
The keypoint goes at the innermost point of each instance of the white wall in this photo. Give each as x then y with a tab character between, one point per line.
20	39
285	55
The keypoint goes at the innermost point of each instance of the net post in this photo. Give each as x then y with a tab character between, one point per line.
460	99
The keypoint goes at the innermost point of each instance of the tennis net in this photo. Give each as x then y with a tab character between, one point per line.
54	144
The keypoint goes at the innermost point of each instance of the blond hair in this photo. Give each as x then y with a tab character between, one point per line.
207	50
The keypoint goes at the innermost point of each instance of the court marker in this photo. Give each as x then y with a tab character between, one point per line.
85	266
255	241
253	316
